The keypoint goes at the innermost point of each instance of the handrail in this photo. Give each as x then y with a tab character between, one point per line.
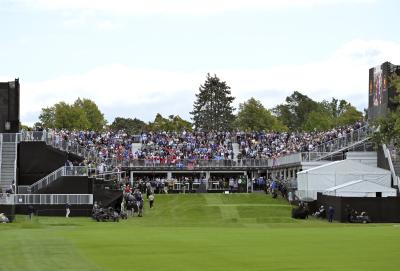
58	142
61	172
391	167
15	164
189	163
361	133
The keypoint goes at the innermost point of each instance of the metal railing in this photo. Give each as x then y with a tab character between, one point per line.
190	163
45	199
109	175
388	155
63	143
61	172
23	189
293	158
318	156
6	199
345	141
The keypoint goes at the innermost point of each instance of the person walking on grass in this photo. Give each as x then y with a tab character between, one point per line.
151	200
67	209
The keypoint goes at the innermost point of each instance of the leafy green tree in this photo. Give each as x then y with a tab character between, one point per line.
213	109
131	126
70	117
294	112
48	116
253	116
83	115
179	124
318	121
341	112
170	124
94	116
349	116
159	124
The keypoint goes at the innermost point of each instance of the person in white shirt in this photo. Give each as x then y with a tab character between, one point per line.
151	200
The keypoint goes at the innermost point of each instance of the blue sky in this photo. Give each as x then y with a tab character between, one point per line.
136	58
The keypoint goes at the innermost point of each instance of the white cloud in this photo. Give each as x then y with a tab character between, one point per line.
193	7
123	91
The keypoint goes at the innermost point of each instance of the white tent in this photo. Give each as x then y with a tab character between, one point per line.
360	188
318	179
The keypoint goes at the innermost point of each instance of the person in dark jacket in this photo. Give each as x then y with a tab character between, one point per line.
348	213
331	213
31	211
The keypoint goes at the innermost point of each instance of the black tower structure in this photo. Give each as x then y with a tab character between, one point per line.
9	106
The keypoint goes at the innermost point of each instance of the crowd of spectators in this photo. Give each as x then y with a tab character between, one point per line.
269	145
173	147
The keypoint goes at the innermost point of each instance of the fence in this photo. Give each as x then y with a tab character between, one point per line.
344	141
189	163
45	199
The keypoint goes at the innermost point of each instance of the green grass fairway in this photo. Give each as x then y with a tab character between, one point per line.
199	232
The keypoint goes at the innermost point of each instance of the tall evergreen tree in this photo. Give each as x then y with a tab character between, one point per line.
213	109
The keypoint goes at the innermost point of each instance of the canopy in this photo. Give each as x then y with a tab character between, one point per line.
318	179
360	188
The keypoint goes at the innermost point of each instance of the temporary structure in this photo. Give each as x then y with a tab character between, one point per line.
318	179
360	188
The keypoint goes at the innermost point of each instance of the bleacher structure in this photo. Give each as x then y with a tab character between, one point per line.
355	146
17	198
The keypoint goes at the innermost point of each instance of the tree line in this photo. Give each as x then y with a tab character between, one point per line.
212	110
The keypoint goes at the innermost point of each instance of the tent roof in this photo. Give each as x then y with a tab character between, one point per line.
353	166
361	186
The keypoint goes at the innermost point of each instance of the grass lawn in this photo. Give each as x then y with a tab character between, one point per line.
199	232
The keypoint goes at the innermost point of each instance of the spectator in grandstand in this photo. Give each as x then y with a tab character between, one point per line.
10	190
187	149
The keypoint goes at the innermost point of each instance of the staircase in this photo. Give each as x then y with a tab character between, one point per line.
55	175
358	140
8	163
